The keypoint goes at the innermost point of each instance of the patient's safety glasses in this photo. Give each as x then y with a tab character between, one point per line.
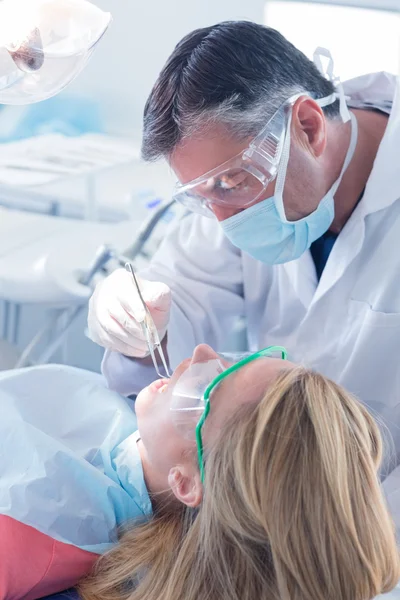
190	398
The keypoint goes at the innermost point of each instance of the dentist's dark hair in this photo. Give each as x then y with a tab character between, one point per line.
235	73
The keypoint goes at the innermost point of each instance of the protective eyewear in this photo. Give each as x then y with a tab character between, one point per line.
44	44
190	398
242	180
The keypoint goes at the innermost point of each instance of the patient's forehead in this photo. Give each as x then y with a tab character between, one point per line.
247	385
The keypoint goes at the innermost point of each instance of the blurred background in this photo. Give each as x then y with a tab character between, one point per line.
54	214
363	36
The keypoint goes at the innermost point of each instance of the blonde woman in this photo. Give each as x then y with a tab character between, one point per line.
264	485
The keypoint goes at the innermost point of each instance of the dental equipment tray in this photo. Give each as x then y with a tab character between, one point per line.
41	160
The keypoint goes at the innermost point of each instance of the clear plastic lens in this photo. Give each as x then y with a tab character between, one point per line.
234	188
240	181
194	204
44	44
234	357
187	404
187	399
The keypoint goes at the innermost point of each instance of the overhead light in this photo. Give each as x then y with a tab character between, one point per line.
44	44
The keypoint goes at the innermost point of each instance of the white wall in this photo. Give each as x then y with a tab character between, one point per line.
378	4
346	31
142	35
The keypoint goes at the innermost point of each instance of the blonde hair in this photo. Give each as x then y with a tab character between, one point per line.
292	510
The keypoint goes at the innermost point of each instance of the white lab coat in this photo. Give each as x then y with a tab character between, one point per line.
346	326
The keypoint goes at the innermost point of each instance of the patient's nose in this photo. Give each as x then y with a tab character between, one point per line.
202	353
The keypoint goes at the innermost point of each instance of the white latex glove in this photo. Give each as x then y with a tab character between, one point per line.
115	312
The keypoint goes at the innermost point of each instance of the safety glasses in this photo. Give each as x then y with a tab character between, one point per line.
186	397
190	399
242	180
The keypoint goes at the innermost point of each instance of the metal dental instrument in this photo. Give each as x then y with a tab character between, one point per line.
150	330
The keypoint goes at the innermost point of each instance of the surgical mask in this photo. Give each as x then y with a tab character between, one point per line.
262	229
264	232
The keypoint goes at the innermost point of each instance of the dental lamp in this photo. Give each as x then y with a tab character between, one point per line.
44	45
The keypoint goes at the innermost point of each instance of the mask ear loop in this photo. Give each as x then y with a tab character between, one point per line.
328	73
281	176
282	170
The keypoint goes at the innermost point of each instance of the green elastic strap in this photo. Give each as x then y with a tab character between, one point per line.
206	397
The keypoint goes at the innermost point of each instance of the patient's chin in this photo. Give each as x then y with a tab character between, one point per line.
146	400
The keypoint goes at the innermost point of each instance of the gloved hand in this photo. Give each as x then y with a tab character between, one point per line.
115	311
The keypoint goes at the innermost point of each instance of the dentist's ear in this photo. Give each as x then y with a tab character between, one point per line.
186	485
309	125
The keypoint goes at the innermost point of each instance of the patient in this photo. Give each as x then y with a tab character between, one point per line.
290	507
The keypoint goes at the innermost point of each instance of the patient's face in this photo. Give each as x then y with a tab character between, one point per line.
165	445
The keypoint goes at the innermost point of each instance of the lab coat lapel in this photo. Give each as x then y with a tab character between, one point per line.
383	186
346	248
303	277
382	189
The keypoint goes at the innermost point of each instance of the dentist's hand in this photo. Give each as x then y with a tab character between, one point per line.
115	312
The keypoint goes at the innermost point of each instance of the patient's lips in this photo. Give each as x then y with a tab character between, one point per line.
157	386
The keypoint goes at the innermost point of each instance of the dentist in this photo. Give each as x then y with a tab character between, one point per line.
294	184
